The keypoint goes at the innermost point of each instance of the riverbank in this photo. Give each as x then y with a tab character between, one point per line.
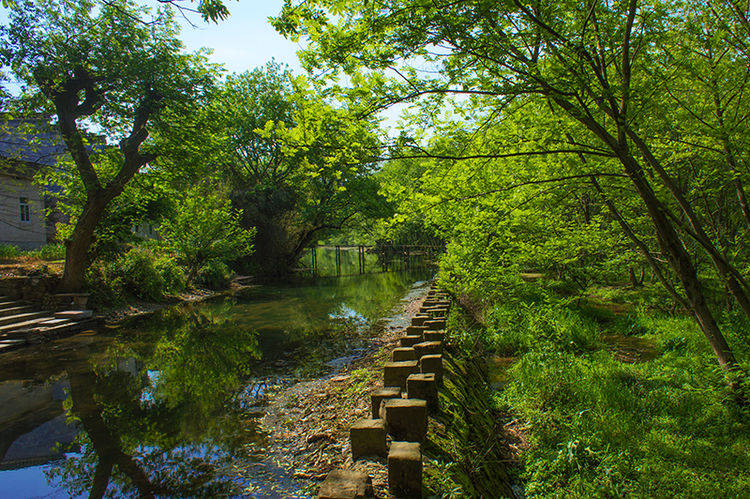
306	425
611	398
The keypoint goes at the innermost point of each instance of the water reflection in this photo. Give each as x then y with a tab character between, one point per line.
157	408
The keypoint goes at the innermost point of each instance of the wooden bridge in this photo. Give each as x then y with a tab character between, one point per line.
339	260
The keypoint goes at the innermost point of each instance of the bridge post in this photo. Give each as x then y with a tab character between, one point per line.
338	261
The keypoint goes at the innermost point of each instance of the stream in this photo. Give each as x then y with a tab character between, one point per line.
166	405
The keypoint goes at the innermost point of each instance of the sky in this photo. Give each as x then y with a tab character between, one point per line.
246	39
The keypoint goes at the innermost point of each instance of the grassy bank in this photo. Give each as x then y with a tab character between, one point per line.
615	400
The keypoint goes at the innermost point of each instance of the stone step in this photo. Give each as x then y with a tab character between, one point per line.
13	320
10	303
14	310
74	314
23	326
10	344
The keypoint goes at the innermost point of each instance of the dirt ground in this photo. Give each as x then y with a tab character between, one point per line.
307	424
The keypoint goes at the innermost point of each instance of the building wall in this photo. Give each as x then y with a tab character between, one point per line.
25	235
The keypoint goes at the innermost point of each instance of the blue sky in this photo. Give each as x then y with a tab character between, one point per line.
245	40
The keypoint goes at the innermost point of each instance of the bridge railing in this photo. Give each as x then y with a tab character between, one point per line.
348	259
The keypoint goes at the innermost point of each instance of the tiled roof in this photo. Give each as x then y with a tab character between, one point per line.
33	141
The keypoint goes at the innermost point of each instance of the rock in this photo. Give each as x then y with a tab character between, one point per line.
423	386
346	484
428	348
405	419
432	364
410	341
367	438
377	396
434	335
419	319
415	330
404	353
405	469
395	373
435	324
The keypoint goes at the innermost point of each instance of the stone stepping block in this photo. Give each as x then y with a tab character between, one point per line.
419	319
435	324
381	394
423	386
434	335
395	373
405	419
410	340
404	353
367	437
74	314
415	330
405	469
428	348
432	364
346	484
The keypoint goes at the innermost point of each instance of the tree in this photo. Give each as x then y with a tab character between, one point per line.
206	228
593	63
100	67
299	168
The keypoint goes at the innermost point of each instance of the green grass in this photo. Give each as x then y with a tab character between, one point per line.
666	426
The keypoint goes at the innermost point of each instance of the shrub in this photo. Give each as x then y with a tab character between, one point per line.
214	275
171	273
49	252
8	251
139	275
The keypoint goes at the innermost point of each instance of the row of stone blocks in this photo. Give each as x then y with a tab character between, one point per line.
415	372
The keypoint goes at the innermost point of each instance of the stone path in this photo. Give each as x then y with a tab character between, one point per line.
397	426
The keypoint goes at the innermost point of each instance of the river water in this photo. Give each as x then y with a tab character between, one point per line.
166	405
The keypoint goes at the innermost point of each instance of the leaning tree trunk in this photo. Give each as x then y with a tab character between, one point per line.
77	247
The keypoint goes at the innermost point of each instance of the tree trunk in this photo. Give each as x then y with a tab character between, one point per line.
77	247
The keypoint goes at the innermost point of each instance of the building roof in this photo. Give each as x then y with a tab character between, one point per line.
29	143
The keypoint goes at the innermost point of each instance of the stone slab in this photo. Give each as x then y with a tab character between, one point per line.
428	348
377	396
346	484
410	340
432	364
367	437
404	353
74	314
419	319
415	330
405	469
434	335
405	419
395	373
435	324
423	386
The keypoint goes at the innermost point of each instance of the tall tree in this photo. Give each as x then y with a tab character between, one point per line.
101	67
592	62
299	167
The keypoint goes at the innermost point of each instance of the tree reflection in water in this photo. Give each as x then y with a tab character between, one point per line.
158	424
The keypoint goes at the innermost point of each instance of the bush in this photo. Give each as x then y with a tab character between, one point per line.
139	276
8	251
171	273
49	252
214	275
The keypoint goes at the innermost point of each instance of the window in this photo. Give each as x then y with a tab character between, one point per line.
25	212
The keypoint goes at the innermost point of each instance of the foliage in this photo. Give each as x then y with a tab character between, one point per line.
8	251
138	273
204	229
597	425
546	143
298	167
214	275
98	66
